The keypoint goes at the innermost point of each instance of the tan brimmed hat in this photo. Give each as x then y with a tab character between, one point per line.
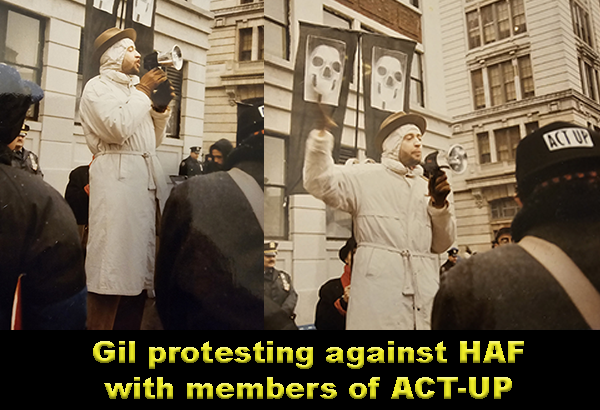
395	121
110	37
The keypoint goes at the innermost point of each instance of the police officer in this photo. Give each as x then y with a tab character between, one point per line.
23	158
452	259
191	165
280	296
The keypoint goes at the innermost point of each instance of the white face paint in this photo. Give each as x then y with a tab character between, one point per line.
387	84
324	69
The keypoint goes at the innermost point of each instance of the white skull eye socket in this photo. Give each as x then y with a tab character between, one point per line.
398	76
337	67
381	70
317	61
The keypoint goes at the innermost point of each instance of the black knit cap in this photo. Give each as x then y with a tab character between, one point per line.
16	96
555	150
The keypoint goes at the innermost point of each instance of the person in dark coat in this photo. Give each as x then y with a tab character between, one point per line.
23	158
39	243
191	166
558	185
334	294
451	262
219	151
77	195
208	272
280	296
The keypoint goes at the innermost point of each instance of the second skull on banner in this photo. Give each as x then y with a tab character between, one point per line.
388	79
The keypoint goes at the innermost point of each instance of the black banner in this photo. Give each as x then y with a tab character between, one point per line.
100	15
386	72
324	63
140	17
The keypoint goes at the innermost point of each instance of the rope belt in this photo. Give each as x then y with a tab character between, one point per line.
408	287
148	157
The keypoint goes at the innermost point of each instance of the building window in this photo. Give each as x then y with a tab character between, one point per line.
581	23
261	43
503	79
415	3
507	140
483	143
502	83
332	19
246	1
495	21
176	79
504	208
275	200
21	45
478	89
589	79
245	44
277	25
531	127
473	28
416	81
526	77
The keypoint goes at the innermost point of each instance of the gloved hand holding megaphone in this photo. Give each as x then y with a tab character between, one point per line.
163	92
439	188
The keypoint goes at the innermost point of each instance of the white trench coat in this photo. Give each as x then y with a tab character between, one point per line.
395	273
126	180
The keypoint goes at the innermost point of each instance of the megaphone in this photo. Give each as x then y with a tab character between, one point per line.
455	159
172	58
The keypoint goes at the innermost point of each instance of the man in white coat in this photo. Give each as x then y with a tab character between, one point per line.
123	127
400	222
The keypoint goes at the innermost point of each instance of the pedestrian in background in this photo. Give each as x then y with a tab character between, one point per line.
335	293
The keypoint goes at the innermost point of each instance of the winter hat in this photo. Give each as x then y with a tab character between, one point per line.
16	96
395	121
553	151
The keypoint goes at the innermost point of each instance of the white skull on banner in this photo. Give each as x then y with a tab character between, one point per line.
324	69
387	84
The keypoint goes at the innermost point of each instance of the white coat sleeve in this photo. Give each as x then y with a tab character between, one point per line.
443	226
160	124
109	115
322	178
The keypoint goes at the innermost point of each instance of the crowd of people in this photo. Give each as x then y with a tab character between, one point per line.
91	262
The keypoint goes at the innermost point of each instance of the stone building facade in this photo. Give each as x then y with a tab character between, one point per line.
511	67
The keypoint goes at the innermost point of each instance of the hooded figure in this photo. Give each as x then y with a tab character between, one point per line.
39	242
401	221
222	147
127	185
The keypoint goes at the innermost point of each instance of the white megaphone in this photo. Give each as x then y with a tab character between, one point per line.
455	159
172	58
